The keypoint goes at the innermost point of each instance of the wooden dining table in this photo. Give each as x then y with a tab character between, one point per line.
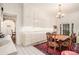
60	38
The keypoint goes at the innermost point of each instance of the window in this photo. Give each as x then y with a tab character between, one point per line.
65	28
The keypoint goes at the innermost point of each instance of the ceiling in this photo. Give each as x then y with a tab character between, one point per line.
52	7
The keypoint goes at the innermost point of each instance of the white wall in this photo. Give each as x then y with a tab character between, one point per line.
15	9
36	16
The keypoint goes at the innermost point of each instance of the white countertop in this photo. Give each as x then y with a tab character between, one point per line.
7	48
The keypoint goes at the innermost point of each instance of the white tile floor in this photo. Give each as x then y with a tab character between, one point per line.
28	50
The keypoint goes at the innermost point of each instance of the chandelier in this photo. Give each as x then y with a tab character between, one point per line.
60	14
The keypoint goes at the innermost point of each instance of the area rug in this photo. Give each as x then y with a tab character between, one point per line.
50	51
46	50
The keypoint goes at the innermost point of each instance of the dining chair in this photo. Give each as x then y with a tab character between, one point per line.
73	36
51	42
66	44
75	47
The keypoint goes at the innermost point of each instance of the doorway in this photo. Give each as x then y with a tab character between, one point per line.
9	23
